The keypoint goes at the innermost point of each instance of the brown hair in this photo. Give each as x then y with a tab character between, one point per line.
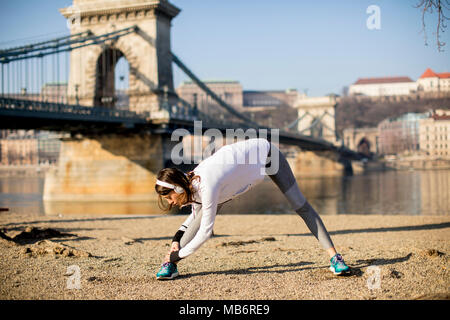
178	178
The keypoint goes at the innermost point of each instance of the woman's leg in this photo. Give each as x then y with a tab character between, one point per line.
286	182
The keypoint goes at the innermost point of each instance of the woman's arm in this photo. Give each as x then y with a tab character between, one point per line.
209	210
180	232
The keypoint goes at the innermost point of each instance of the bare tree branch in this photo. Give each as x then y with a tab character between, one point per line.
428	6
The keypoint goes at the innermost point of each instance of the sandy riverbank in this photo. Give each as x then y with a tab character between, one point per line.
250	257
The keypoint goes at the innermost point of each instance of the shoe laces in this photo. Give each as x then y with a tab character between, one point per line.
338	258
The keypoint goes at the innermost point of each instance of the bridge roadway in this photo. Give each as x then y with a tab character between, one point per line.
38	115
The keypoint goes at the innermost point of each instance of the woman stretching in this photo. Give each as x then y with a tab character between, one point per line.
231	171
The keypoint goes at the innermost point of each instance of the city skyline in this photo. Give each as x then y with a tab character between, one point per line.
273	46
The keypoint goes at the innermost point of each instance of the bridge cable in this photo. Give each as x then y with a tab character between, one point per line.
67	44
292	124
221	103
6	57
205	88
29	46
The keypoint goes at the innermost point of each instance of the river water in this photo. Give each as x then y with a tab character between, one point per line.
388	192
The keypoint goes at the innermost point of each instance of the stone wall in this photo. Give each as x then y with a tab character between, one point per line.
106	168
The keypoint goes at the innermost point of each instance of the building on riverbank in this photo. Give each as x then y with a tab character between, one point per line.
400	135
18	147
429	82
273	108
229	91
434	134
416	140
29	147
386	86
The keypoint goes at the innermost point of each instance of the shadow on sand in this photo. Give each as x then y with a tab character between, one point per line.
356	268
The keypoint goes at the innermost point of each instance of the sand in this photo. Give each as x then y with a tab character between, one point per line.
264	257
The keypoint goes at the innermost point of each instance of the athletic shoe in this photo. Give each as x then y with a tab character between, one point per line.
168	271
338	265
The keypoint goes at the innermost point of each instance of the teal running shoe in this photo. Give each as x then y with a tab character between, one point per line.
338	265
168	271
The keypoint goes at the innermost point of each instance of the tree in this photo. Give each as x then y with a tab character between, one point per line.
429	6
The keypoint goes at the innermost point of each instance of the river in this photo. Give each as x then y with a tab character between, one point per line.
388	192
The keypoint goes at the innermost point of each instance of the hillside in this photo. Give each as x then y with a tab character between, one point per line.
359	113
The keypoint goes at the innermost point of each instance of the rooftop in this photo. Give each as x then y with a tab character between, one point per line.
383	80
211	81
431	74
440	117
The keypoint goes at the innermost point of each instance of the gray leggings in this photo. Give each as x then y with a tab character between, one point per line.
285	180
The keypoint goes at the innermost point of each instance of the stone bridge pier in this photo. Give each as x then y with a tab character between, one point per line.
309	164
108	168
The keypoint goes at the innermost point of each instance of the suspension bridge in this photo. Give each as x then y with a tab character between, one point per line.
33	97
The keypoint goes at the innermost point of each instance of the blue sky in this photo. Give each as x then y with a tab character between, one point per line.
272	45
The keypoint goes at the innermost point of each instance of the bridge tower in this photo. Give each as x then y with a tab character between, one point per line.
112	166
91	80
316	118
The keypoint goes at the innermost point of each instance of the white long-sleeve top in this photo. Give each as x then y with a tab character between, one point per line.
231	171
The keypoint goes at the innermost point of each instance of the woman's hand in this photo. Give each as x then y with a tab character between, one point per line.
175	247
167	257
